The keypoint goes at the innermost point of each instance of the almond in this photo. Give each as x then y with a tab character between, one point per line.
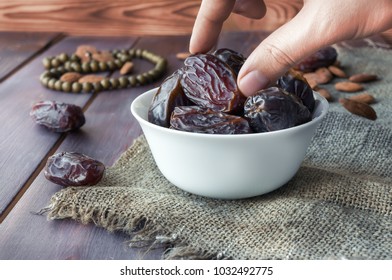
324	76
359	108
311	78
337	71
348	86
104	56
182	55
320	76
70	77
126	68
325	93
363	78
85	52
90	79
364	98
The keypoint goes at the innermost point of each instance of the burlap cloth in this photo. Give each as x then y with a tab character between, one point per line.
338	206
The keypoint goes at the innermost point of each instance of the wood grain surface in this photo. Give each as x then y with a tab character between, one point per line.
109	130
18	48
100	17
25	235
21	141
131	17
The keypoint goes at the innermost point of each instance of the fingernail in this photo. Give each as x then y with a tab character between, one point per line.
253	82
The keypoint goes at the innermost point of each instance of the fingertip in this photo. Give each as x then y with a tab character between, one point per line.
252	82
202	41
195	46
208	24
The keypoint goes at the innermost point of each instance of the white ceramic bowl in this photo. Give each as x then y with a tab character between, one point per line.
227	166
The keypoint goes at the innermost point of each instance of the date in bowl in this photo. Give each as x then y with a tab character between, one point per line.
227	166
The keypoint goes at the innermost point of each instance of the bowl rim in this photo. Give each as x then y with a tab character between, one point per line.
315	120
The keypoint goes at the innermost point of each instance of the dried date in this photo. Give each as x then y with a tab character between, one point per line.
294	83
73	169
321	58
209	82
232	58
274	109
57	117
168	96
205	120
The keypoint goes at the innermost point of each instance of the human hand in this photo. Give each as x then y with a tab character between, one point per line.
318	24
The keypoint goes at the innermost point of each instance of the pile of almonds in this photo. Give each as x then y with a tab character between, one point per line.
358	104
87	53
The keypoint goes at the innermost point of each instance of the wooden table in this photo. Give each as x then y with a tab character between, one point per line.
109	130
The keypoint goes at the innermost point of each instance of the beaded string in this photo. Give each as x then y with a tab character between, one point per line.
63	63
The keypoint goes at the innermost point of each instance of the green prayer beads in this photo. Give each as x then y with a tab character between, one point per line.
63	63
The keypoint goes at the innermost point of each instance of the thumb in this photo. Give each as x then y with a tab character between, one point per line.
282	49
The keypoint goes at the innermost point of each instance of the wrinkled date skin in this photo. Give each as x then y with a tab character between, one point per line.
168	96
203	97
273	109
57	117
211	83
73	169
205	120
322	58
232	58
293	82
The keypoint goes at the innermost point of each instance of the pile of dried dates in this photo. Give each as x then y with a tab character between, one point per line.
203	96
66	168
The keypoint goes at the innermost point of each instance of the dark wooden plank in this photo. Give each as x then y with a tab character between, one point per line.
17	48
26	236
23	144
109	130
111	110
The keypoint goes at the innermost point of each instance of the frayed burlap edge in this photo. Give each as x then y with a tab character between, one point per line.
150	232
144	232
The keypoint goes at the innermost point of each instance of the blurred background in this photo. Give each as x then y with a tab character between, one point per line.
129	17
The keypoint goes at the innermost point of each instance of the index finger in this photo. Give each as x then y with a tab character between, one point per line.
209	23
